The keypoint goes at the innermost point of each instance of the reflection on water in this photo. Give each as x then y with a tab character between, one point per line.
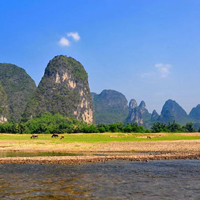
176	179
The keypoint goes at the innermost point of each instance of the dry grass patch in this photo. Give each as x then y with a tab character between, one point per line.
189	134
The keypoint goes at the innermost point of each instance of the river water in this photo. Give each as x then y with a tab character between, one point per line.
174	179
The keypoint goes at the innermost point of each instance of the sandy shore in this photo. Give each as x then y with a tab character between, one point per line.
94	159
133	151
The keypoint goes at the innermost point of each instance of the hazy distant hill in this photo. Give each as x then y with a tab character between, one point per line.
173	111
195	113
18	86
195	116
138	114
154	116
63	89
110	107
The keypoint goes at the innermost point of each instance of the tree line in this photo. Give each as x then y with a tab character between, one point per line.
56	123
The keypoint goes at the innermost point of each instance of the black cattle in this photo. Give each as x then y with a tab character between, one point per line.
54	135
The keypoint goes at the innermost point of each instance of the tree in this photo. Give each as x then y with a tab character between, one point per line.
127	128
174	127
113	128
90	128
103	128
189	127
158	127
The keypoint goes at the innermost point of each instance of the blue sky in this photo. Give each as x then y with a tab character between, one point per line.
146	49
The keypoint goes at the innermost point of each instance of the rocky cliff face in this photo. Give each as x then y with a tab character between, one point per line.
173	111
138	114
64	89
18	87
110	107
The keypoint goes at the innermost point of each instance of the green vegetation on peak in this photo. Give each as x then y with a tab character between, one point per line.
62	63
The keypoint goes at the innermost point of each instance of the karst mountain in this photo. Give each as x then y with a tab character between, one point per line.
64	89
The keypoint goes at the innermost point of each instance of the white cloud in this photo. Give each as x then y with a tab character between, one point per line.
64	42
74	35
164	69
148	74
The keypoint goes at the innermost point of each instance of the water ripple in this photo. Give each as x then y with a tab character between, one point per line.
175	179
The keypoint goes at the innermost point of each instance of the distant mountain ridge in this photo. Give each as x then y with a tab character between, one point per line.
171	111
110	107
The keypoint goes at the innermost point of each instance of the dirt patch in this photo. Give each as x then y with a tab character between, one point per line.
189	134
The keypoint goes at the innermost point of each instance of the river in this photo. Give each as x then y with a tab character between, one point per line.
172	179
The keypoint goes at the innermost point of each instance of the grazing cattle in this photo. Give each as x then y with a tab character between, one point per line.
34	136
62	137
54	135
149	137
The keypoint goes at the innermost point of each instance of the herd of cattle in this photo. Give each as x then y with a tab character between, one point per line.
62	136
54	135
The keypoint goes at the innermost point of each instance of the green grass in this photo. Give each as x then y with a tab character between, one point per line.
98	137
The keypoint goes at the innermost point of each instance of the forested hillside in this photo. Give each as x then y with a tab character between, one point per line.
18	86
110	107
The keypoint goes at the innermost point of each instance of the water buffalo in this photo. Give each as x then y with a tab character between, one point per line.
62	137
54	135
34	136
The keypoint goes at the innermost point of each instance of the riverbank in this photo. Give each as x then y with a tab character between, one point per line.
159	147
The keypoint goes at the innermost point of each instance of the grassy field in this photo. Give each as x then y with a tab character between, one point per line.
102	137
105	142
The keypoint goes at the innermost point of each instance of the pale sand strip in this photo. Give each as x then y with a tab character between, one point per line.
94	159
